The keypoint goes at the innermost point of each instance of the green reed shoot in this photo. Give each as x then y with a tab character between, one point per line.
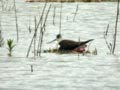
10	46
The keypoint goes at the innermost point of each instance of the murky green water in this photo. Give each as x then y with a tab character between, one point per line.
60	71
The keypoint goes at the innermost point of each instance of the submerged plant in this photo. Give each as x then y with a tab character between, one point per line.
10	46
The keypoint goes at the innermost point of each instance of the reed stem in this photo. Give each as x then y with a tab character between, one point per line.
41	19
16	21
35	37
54	15
105	34
60	19
76	12
43	29
0	23
36	30
116	24
31	66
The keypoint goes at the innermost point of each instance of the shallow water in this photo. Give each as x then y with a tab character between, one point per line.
61	71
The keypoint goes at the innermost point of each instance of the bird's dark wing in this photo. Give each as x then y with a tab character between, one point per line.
68	45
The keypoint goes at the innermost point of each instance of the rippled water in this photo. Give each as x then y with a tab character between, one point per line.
61	71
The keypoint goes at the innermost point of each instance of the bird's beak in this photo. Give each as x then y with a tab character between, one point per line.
52	41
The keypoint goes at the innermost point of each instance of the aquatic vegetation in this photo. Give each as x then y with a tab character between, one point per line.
10	46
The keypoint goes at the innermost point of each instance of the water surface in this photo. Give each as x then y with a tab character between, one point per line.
61	71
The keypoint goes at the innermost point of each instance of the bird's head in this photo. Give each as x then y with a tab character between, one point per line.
58	38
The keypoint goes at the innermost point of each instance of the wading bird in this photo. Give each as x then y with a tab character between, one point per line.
70	44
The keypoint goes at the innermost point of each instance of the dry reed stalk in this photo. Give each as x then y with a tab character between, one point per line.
54	15
106	32
0	23
41	19
76	12
31	68
116	24
35	37
38	47
118	7
43	29
36	30
105	35
16	20
29	28
39	22
30	45
60	18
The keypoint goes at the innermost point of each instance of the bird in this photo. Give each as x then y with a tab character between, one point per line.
70	44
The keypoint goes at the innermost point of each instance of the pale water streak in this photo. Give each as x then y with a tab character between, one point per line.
61	71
